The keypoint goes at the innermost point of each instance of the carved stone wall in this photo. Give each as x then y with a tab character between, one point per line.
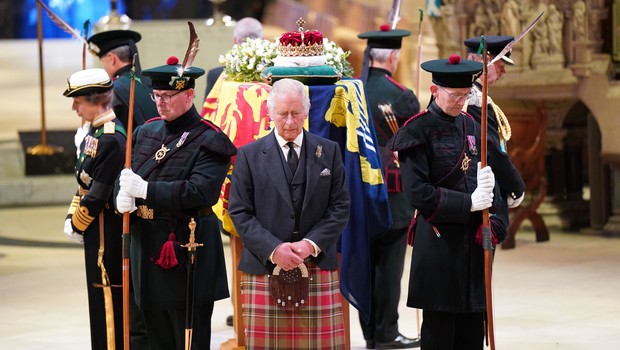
564	64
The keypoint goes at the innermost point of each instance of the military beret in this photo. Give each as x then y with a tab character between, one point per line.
101	43
170	77
495	45
88	81
453	72
385	37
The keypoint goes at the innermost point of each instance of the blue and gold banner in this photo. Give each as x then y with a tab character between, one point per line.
338	112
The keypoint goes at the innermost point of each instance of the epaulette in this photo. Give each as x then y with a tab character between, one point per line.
110	128
153	119
415	116
210	124
391	80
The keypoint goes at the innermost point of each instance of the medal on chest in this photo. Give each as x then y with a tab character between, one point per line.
90	146
161	153
471	145
86	179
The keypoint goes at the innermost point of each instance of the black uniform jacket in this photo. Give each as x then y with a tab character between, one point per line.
102	154
184	183
386	95
438	155
144	107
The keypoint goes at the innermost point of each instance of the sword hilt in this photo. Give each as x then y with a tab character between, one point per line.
192	245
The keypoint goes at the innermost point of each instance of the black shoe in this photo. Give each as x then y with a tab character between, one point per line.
401	342
229	321
370	344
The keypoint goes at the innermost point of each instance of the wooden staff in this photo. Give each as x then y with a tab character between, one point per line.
419	53
132	88
486	229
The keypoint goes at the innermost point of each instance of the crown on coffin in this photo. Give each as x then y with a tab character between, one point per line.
301	43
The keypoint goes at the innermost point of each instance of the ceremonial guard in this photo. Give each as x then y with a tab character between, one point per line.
179	162
511	185
116	50
439	150
391	104
91	218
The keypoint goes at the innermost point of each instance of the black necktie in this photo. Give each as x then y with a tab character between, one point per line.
292	159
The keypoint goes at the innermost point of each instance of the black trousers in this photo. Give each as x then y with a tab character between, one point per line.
166	328
387	260
457	331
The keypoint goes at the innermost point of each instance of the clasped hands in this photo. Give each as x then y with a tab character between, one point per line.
132	187
289	255
482	197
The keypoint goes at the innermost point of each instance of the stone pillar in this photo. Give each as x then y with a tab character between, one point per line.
612	227
598	179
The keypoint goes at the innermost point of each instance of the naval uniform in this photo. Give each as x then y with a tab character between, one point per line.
387	252
438	155
144	107
102	155
185	162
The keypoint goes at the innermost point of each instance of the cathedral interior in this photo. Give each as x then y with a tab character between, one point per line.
561	97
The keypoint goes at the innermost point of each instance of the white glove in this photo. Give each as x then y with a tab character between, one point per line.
482	198
133	184
80	134
125	202
486	178
76	237
513	203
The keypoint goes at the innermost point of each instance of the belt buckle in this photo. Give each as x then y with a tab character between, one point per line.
144	212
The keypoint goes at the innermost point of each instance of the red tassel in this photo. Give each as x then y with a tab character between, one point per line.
167	257
479	236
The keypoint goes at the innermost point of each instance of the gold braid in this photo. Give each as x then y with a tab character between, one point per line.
503	126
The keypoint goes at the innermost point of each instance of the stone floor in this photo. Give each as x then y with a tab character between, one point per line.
561	294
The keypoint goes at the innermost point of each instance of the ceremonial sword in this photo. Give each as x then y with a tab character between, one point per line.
515	40
191	278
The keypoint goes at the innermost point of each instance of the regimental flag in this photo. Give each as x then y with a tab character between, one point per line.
338	112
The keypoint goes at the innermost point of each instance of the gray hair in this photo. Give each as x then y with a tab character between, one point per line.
123	52
247	28
288	87
382	55
101	99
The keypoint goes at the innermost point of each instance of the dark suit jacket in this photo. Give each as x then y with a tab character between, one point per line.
212	76
261	208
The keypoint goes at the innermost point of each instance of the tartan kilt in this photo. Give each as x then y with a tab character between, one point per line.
318	325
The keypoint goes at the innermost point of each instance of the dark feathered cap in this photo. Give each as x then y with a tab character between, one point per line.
453	72
101	43
168	77
88	81
495	45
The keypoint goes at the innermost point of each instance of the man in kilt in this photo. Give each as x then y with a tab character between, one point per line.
289	203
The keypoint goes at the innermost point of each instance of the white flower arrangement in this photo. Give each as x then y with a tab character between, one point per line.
337	58
246	61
